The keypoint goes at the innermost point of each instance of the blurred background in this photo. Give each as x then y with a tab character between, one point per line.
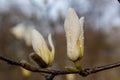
101	30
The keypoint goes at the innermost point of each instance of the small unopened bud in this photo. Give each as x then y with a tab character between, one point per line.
74	34
46	56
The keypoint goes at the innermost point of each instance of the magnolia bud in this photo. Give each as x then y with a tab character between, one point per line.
41	49
74	34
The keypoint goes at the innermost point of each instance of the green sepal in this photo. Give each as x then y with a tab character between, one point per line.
77	64
72	69
38	60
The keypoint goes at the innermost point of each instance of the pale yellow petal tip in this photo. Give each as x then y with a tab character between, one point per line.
82	19
36	41
52	47
37	37
51	43
34	32
50	39
71	10
49	36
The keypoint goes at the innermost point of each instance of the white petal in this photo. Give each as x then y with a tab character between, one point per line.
81	37
72	29
27	36
81	27
52	47
40	46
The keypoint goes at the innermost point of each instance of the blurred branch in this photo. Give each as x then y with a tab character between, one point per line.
53	73
119	1
50	77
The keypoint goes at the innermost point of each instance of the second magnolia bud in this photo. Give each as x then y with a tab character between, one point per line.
42	53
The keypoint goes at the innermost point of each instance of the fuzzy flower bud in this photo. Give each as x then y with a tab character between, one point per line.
41	49
74	34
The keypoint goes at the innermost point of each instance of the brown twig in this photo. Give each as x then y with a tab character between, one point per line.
53	73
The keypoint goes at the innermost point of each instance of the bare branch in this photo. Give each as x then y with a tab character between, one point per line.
53	73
